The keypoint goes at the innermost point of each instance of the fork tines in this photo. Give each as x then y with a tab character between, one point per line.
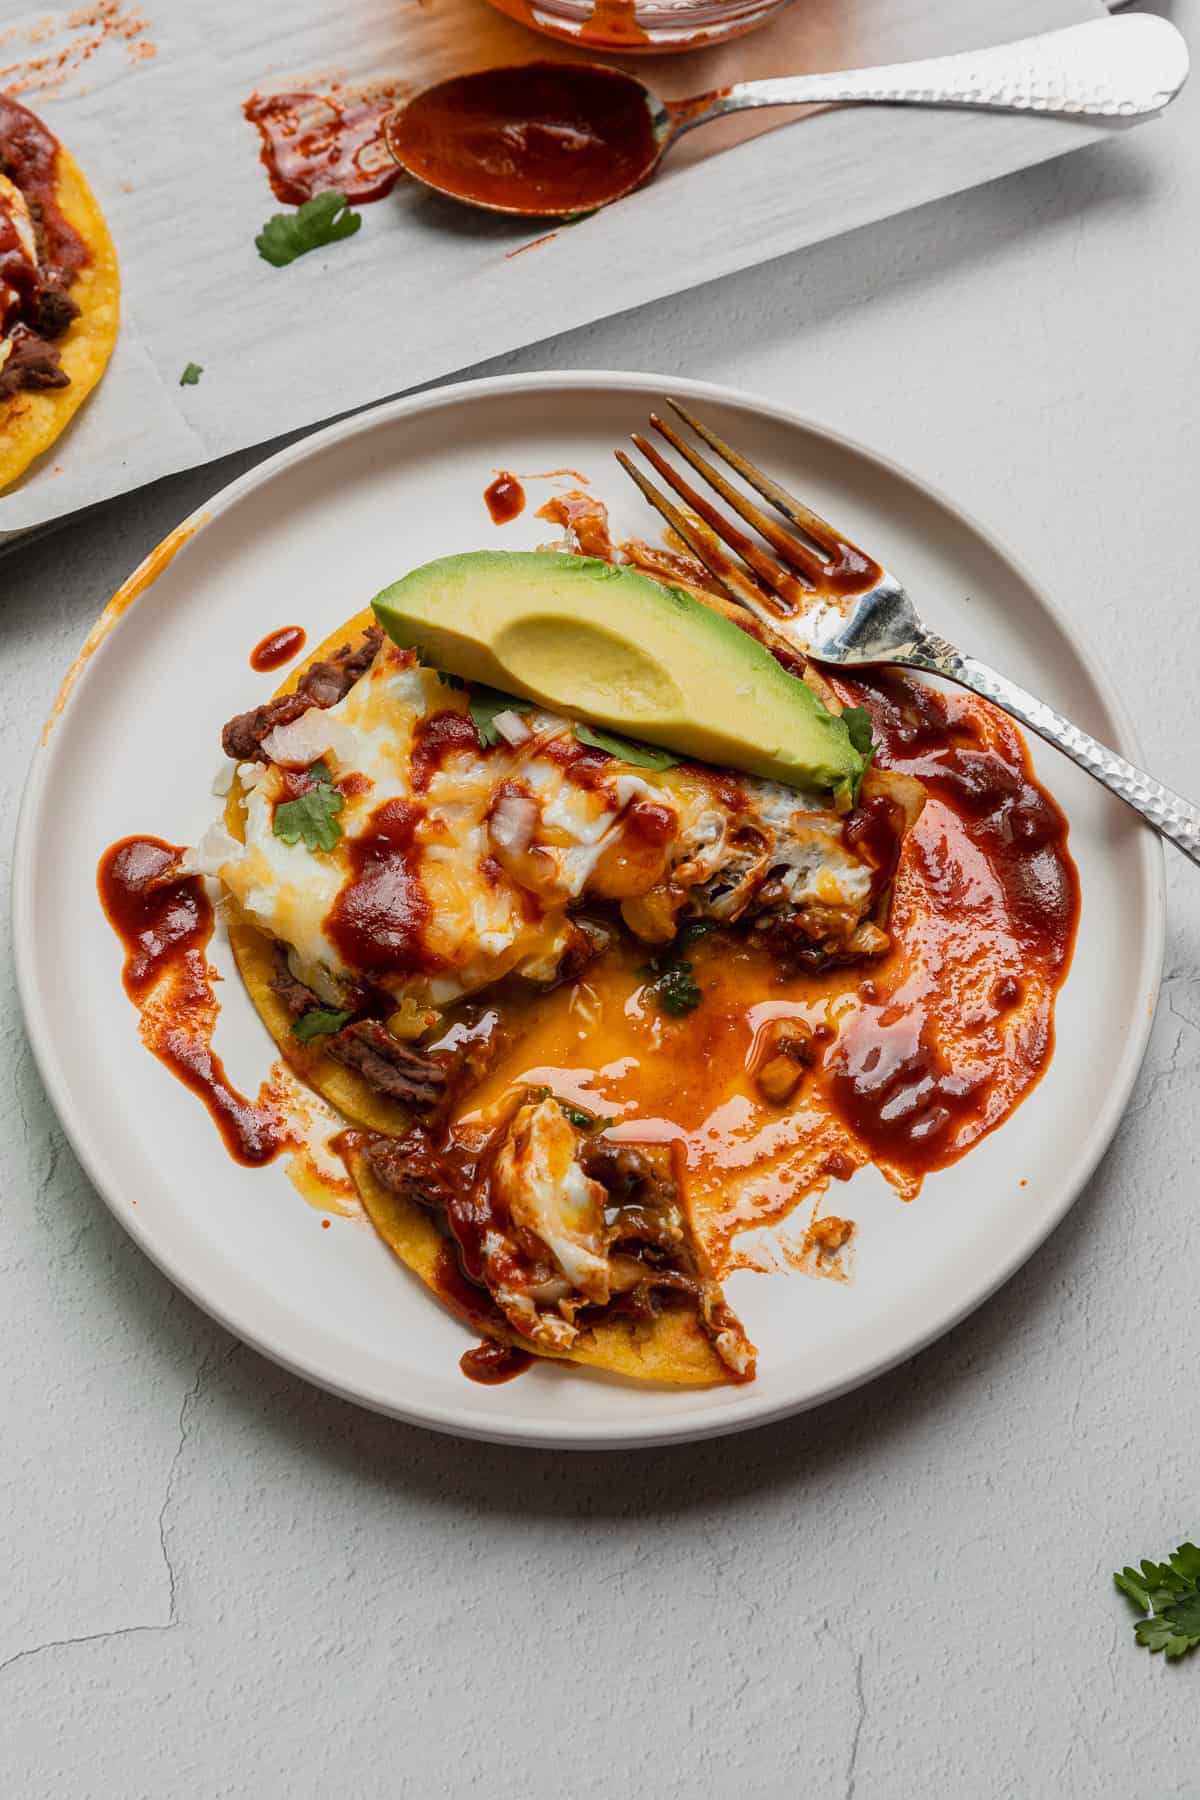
778	577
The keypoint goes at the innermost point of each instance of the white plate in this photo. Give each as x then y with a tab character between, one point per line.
307	538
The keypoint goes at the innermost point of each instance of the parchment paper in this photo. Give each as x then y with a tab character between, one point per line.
150	100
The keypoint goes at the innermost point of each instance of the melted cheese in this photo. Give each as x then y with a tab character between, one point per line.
507	841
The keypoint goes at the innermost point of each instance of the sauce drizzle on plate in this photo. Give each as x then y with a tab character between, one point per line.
277	648
164	921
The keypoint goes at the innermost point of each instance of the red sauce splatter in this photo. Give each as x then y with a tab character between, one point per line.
985	910
546	238
377	920
91	27
164	921
314	142
587	517
504	498
277	648
491	1363
546	137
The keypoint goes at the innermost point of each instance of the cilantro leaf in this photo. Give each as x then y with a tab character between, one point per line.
483	703
677	990
857	721
322	220
319	1021
191	375
312	816
584	1121
630	750
1170	1593
672	984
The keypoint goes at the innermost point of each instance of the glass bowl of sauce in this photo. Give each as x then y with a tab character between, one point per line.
642	25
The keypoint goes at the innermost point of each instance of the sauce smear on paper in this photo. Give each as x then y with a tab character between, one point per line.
315	142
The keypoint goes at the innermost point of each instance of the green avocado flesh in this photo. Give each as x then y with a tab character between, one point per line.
596	642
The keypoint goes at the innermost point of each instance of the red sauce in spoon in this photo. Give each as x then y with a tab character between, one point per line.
546	137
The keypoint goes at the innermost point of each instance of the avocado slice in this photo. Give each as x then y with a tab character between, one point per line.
603	643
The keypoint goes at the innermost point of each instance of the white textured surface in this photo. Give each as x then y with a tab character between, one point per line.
220	1583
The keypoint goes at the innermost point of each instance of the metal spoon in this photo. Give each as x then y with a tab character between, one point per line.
553	138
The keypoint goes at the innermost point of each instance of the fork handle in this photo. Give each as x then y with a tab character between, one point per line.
1103	69
1169	814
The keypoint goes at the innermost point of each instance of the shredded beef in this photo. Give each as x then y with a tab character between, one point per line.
629	1174
55	311
242	737
393	1069
295	996
31	363
330	680
324	684
411	1167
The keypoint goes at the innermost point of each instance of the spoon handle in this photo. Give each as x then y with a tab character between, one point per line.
1169	813
1119	68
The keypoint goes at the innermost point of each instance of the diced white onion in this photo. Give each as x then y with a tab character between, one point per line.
513	823
512	727
306	739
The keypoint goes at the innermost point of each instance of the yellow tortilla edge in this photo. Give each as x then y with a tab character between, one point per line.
673	1349
32	419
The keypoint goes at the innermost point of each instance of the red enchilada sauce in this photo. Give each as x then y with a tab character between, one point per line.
315	142
504	498
956	1025
377	921
164	921
548	137
29	156
277	648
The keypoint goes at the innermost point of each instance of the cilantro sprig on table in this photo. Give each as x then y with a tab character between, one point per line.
311	818
324	219
1169	1593
191	375
669	975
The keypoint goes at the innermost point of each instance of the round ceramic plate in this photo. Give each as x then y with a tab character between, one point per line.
307	538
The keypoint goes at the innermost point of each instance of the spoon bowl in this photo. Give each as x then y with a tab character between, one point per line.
542	139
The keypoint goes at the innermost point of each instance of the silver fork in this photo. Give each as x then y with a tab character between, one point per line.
833	602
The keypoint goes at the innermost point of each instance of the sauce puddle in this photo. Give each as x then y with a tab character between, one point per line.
164	922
